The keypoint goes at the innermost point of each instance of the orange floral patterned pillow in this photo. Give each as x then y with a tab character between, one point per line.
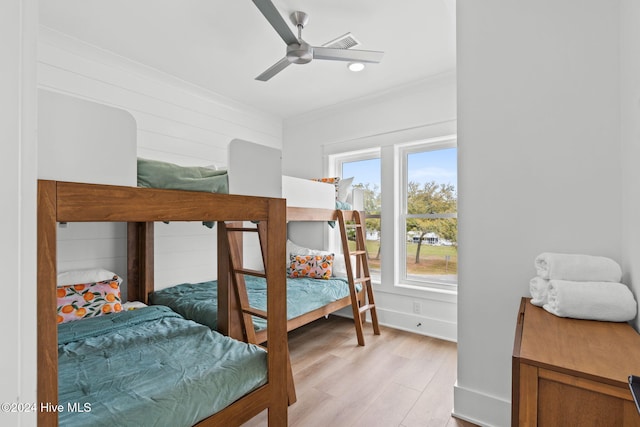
82	300
313	266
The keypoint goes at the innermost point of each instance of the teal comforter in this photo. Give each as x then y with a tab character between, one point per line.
150	367
156	174
168	176
199	301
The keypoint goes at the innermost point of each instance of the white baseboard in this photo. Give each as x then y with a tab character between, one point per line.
480	408
422	325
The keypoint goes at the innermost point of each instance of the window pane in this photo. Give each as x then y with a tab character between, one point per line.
432	182
430	255
430	216
366	175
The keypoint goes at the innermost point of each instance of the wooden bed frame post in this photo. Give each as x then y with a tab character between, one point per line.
47	382
277	343
140	261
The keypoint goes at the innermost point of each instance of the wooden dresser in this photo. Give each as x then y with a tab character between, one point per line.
569	372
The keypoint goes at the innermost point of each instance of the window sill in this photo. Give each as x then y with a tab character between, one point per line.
449	296
427	288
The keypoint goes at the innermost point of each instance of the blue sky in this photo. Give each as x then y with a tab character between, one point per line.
363	171
438	165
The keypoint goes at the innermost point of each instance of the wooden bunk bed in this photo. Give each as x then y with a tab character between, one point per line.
235	315
74	202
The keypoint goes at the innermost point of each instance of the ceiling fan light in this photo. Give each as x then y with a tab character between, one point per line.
355	66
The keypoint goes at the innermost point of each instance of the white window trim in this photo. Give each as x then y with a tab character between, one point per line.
335	161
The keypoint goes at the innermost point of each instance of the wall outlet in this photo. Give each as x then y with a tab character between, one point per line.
417	307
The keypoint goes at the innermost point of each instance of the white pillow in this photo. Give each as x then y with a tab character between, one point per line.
344	186
133	305
340	266
293	249
90	275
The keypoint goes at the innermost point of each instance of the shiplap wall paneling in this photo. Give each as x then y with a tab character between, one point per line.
176	122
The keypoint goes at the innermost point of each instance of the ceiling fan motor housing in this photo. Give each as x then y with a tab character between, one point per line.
301	53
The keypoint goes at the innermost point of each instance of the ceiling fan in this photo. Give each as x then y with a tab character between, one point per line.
300	52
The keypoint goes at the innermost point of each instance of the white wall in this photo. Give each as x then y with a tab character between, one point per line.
18	31
630	137
176	122
539	167
412	113
402	109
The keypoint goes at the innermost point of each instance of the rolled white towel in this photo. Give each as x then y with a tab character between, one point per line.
606	301
538	288
577	267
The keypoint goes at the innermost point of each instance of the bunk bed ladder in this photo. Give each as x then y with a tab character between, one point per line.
234	239
234	233
353	220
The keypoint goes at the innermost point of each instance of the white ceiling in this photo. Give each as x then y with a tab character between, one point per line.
222	45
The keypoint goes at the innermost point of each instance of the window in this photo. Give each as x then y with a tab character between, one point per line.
428	215
365	168
412	235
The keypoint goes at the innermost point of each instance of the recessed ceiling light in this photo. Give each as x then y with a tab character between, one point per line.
355	66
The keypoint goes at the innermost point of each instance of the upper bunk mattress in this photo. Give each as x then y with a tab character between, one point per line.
199	301
151	367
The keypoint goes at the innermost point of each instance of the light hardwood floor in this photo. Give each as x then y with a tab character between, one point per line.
398	379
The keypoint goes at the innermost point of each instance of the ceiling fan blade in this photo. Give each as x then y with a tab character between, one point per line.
351	55
273	70
276	20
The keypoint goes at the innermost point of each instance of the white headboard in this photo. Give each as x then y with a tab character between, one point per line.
83	141
254	169
305	193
